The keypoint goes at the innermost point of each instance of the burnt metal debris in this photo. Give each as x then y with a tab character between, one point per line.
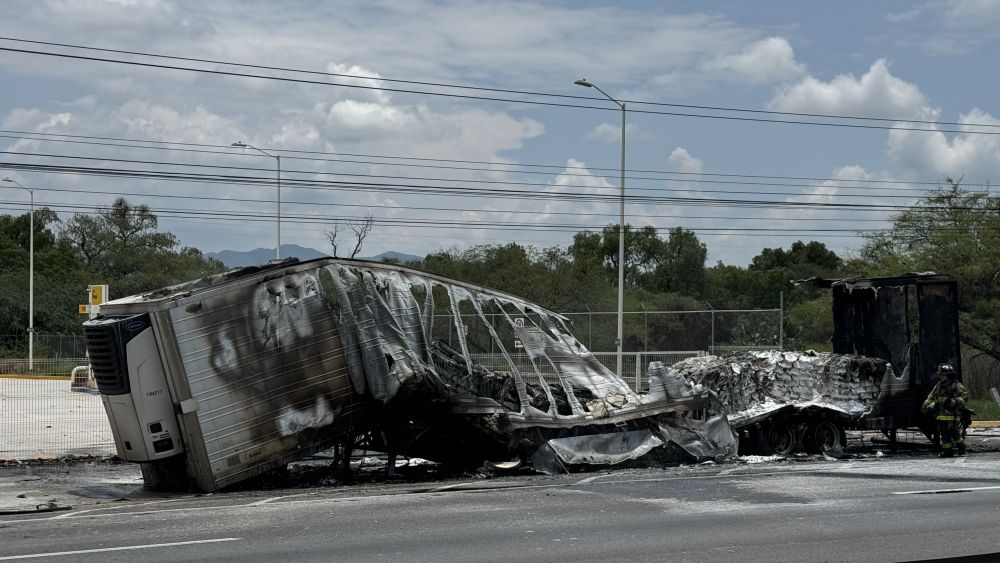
215	381
890	334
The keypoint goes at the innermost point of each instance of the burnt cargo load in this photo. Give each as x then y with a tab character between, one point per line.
783	401
890	334
212	382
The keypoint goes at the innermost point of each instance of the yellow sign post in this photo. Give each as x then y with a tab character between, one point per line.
97	295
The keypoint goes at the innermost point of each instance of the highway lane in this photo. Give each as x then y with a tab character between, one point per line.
867	510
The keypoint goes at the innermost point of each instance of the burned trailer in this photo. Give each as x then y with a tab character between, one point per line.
890	334
214	381
781	401
910	322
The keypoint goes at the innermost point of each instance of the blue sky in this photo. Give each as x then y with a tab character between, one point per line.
929	61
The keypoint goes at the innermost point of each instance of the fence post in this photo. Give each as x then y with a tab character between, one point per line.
645	334
638	373
713	332
781	321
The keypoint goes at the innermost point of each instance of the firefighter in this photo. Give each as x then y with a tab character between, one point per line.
946	402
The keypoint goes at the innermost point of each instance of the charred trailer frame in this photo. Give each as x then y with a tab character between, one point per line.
890	334
218	380
911	322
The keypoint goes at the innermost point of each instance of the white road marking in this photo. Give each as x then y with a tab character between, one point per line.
940	491
272	499
452	486
588	480
122	548
115	507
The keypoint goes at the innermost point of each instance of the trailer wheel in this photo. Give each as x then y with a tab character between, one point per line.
778	439
168	475
828	438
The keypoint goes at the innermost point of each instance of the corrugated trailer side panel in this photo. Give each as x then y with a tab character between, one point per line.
265	364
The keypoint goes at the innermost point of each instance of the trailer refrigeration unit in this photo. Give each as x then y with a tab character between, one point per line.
214	381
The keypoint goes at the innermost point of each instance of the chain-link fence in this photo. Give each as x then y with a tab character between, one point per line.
47	345
42	412
712	331
41	417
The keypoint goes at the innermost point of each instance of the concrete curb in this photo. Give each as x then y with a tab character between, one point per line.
985	423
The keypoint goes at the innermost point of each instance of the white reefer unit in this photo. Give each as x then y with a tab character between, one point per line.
129	373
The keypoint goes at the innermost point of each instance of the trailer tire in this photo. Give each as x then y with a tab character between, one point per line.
778	438
167	475
827	437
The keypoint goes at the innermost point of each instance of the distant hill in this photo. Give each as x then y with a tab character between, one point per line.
257	256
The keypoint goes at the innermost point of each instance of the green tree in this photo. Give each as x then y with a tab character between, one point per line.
803	260
643	251
58	276
953	231
123	247
681	266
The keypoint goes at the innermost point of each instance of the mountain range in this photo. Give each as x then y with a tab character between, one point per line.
257	256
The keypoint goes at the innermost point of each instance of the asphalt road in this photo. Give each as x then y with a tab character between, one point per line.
905	509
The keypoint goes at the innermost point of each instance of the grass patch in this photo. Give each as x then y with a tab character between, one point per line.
985	408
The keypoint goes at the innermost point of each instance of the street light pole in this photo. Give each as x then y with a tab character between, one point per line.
621	226
242	145
31	275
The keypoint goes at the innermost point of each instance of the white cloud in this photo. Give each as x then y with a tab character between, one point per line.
681	160
766	61
972	13
611	133
877	93
576	174
360	76
947	27
352	114
937	155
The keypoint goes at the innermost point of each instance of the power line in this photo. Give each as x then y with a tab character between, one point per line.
430	189
499	90
492	98
868	189
555	168
459	224
469	192
424	208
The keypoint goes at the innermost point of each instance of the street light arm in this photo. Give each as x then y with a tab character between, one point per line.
20	185
586	83
242	145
